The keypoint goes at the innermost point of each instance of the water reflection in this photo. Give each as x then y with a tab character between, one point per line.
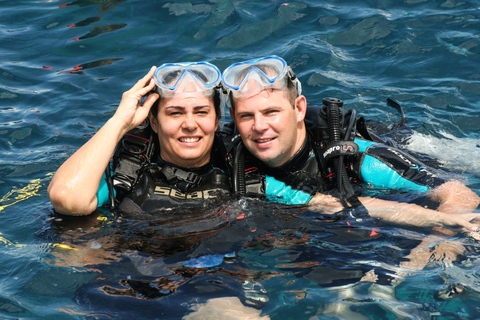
99	30
257	31
78	69
105	5
85	22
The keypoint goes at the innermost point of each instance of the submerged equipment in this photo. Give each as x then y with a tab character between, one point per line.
247	78
187	77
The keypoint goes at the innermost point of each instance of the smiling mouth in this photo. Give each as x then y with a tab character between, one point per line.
263	140
190	139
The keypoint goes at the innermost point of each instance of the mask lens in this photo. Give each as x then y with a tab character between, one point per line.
265	73
187	77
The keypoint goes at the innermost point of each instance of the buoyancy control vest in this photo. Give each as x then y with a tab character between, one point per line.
144	183
163	186
300	173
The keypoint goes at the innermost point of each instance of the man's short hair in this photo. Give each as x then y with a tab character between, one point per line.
290	93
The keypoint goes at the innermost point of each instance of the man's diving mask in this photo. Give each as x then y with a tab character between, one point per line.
245	79
187	78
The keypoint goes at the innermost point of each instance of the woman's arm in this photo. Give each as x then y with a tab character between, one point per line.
74	186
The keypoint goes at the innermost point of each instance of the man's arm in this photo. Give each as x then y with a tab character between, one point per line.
455	197
400	213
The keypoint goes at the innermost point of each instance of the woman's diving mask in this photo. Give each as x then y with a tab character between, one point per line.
187	78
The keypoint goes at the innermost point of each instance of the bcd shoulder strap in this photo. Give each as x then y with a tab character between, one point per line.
133	153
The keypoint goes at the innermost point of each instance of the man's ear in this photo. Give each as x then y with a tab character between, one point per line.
301	106
232	114
153	122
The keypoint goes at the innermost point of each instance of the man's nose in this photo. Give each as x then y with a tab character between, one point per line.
260	123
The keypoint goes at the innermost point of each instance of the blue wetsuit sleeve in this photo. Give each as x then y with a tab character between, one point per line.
386	167
277	191
103	196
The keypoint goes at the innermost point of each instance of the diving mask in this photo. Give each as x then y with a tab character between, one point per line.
245	79
187	78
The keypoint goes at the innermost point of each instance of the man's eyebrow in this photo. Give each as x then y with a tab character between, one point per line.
241	113
271	108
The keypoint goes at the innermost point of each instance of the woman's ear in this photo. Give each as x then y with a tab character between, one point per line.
153	122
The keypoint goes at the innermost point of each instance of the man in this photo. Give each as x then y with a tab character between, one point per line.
269	112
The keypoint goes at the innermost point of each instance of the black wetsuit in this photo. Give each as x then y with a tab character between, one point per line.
378	165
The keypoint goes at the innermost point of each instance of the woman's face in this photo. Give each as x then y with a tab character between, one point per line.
186	126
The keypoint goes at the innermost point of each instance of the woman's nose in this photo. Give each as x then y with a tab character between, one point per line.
190	123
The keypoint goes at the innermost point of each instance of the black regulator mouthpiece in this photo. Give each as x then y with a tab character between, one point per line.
330	101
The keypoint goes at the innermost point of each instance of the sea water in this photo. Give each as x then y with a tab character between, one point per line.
63	68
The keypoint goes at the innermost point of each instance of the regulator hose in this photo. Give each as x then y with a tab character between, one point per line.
239	171
334	133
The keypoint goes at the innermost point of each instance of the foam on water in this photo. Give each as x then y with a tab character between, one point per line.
457	154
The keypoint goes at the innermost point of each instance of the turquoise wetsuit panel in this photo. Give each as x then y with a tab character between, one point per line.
103	196
364	144
278	191
382	176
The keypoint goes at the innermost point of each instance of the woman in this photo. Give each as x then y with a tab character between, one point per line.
185	115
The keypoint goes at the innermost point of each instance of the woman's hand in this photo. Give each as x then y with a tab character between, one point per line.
129	113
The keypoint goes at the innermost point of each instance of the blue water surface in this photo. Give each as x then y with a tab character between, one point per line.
63	68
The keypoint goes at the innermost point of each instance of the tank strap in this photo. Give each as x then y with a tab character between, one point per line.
132	155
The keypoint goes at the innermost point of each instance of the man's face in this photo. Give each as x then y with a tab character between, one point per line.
270	127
